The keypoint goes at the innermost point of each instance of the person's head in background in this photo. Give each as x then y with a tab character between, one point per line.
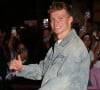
46	37
89	27
87	39
60	18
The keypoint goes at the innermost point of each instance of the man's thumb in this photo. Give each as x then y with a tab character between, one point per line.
19	58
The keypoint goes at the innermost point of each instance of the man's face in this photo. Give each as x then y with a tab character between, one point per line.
60	21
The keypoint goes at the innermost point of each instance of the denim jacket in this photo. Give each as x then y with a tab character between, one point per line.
65	68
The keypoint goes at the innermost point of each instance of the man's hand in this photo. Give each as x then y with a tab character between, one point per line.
16	64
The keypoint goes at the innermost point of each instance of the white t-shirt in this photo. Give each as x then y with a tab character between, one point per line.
91	55
59	41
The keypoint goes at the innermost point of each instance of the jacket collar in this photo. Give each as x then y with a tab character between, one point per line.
72	34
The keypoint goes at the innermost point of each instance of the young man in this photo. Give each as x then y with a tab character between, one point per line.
66	66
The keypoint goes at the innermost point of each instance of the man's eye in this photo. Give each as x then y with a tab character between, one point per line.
61	18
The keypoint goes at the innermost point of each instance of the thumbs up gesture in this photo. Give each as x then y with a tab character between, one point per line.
16	64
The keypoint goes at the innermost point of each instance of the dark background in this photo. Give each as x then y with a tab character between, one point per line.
13	12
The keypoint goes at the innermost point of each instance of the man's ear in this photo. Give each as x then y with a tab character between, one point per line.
71	19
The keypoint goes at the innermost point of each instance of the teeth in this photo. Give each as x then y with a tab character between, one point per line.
57	27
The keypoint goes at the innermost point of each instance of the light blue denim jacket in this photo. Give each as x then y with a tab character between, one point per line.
67	68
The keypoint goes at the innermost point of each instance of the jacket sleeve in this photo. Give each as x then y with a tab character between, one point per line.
31	71
35	71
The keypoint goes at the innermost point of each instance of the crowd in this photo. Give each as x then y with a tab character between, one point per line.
32	43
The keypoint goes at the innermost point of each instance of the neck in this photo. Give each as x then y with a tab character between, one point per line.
63	35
